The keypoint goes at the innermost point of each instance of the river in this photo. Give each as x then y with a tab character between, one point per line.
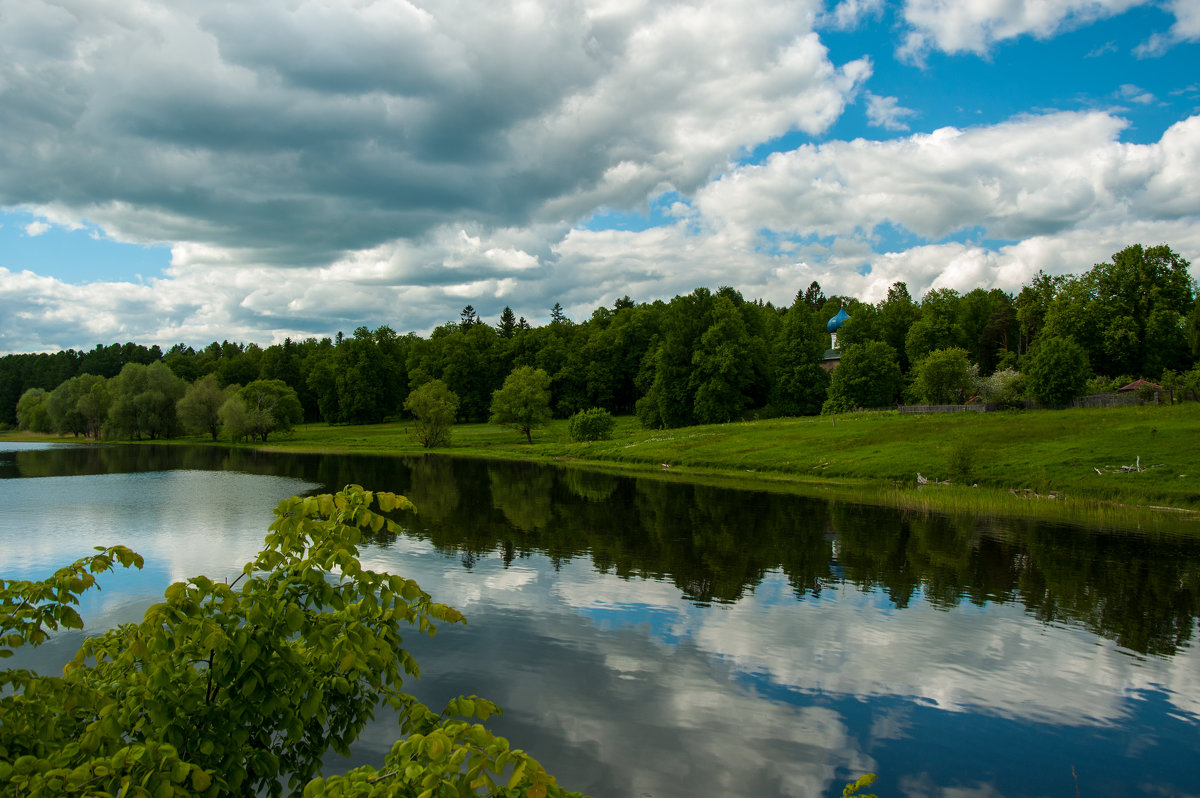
650	637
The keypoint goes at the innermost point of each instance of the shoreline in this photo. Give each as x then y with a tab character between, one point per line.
1033	464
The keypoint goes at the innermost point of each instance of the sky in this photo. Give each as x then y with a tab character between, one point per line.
191	171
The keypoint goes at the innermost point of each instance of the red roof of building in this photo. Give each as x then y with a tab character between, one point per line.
1133	386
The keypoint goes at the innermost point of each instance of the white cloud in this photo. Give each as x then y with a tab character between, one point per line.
1062	188
1187	19
1132	93
1030	177
886	112
303	192
1185	29
974	26
1104	49
36	228
283	149
849	13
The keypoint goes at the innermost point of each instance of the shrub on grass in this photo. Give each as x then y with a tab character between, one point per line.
1004	387
1058	371
591	425
647	413
961	462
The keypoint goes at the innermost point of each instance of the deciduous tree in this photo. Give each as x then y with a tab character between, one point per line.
868	375
523	402
944	377
1058	371
435	407
143	402
800	384
200	408
270	406
31	411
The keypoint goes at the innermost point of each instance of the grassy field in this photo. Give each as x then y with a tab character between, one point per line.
1062	464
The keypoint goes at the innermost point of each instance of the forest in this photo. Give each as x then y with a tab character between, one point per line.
705	357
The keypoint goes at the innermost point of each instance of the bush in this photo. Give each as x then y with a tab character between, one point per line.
647	413
1005	387
944	377
591	425
243	688
1058	371
961	462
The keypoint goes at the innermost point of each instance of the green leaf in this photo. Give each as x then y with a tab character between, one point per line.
200	780
517	774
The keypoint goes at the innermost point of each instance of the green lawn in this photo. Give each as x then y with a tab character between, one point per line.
1042	452
875	456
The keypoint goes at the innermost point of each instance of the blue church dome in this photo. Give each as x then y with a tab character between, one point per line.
837	321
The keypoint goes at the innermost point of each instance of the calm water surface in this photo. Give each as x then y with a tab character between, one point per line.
653	638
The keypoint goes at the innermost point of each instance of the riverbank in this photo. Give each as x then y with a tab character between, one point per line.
1072	465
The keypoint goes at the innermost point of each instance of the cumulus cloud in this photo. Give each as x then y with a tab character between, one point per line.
989	206
886	112
1187	20
36	228
327	177
356	124
1042	178
1185	29
848	14
974	26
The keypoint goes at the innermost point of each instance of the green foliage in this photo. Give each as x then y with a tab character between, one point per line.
867	376
261	408
93	405
851	790
143	402
434	406
1058	371
591	425
728	366
508	323
79	405
937	327
800	384
647	413
523	402
961	462
367	380
1187	385
1005	387
896	315
227	690
32	414
200	408
1130	314
234	417
944	376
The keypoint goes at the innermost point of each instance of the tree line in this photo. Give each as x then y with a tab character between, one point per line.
705	357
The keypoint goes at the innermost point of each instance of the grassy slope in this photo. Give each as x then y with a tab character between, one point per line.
875	456
1048	451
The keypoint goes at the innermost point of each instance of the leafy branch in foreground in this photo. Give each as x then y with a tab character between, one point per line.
222	690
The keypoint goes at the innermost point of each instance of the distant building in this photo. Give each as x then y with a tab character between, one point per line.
833	355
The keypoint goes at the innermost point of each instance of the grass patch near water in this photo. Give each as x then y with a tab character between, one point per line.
1040	463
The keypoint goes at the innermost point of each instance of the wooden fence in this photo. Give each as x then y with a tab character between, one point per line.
926	409
1123	399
